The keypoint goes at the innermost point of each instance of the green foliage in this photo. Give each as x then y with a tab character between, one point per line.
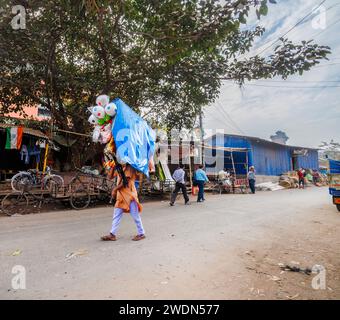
166	58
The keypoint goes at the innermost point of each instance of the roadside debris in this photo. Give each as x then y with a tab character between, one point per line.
293	297
16	253
268	186
274	278
76	254
292	268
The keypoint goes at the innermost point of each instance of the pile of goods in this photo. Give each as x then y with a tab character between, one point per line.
289	180
128	139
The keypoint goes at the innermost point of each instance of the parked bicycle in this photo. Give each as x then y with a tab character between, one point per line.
32	177
85	186
19	202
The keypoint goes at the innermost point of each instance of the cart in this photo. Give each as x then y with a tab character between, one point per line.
334	182
79	192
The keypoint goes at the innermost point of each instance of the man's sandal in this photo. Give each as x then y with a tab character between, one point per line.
110	237
138	237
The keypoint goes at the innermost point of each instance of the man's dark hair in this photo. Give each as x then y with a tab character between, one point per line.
201	166
181	166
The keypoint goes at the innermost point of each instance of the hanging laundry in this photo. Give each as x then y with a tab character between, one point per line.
35	152
24	154
41	143
14	137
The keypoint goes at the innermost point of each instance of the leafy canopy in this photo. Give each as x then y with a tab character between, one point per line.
166	58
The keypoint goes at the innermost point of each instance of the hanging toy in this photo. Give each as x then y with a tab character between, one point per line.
96	134
111	109
93	119
102	100
105	120
98	112
105	134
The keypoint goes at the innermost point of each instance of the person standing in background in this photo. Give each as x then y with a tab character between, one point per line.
200	178
251	179
301	175
179	177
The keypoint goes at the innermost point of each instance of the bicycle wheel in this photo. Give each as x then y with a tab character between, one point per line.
20	181
80	198
53	181
217	189
14	203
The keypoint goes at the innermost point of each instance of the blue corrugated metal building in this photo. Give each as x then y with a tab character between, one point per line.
269	158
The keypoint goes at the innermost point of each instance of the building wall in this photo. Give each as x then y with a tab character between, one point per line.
271	159
310	161
240	158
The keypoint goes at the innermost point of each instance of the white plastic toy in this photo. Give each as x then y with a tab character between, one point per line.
93	119
102	100
111	109
98	112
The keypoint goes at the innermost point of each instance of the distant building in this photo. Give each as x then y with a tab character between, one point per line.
37	112
269	158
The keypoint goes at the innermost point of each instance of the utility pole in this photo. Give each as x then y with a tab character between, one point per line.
202	135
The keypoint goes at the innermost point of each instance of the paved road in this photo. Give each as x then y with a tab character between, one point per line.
197	251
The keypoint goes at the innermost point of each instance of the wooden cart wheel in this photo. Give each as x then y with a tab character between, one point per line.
80	198
217	189
14	203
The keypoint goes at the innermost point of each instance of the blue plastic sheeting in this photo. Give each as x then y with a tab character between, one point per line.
334	166
134	139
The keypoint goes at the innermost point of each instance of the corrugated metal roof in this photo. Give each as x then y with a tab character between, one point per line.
29	131
259	140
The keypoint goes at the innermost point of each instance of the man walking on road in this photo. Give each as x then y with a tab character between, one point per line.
178	176
200	178
126	201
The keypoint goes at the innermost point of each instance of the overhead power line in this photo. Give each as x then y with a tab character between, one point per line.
290	87
231	121
300	81
292	28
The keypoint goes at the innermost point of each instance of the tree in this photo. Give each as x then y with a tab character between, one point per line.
280	137
166	58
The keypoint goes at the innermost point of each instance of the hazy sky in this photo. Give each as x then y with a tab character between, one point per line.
305	107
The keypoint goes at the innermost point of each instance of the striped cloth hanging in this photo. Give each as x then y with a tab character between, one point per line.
14	137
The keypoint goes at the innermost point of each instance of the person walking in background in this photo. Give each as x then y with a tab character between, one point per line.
200	179
179	177
251	179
